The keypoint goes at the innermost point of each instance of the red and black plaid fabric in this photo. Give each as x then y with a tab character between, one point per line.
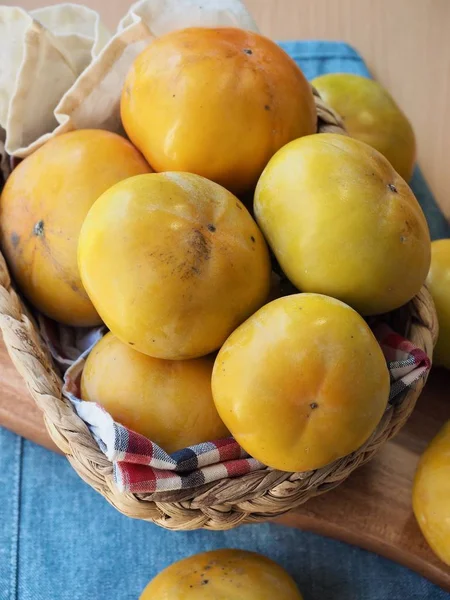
141	465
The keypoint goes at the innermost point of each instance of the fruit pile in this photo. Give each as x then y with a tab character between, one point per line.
170	239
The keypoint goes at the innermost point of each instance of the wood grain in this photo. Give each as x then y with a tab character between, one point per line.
404	42
18	411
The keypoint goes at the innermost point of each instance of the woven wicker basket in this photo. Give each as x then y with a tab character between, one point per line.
224	504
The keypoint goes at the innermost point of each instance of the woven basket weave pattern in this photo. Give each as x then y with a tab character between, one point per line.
224	504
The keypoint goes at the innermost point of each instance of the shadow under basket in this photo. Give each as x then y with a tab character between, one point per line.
224	504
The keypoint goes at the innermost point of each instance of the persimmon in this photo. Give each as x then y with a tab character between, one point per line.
431	493
168	401
342	222
438	282
173	263
42	208
371	115
223	575
301	383
216	102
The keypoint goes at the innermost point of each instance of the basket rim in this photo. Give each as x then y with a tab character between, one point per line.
223	504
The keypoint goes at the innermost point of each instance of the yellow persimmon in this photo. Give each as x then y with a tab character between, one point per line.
342	222
301	383
431	494
168	401
371	115
438	282
223	575
173	263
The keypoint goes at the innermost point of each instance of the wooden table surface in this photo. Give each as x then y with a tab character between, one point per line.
407	47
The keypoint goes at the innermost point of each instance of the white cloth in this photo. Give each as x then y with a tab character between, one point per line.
62	70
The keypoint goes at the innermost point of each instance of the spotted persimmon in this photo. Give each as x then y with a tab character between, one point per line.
173	263
223	575
42	208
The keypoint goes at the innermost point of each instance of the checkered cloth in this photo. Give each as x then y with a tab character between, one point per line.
141	465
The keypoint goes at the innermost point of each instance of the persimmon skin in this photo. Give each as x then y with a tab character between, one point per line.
343	223
173	263
170	402
42	207
223	575
215	102
301	383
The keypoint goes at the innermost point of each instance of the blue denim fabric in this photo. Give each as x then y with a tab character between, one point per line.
59	540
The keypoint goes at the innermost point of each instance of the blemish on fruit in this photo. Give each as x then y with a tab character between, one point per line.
211	227
197	253
266	107
247	51
15	239
392	187
38	229
403	239
131	343
205	581
252	238
314	405
200	245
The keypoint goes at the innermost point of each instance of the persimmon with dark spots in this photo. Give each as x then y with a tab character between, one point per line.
42	207
169	262
223	575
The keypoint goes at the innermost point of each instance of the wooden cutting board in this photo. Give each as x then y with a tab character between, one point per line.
372	509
